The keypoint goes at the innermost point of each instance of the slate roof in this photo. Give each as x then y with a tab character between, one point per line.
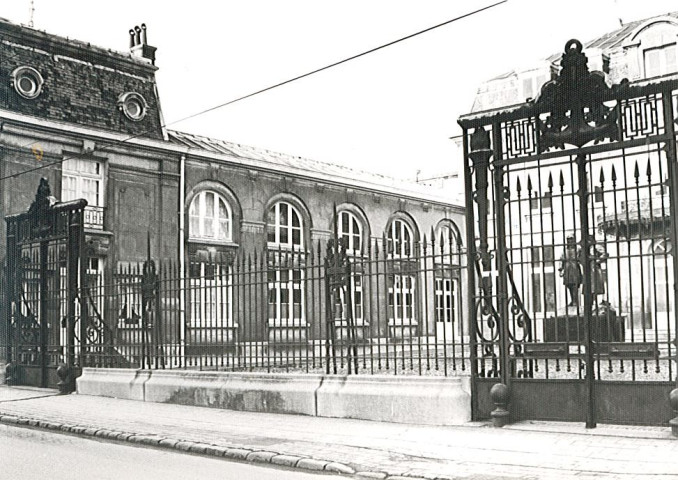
324	171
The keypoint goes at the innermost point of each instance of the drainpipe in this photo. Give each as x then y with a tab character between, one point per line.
182	259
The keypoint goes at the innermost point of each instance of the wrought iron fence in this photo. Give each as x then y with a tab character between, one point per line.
320	310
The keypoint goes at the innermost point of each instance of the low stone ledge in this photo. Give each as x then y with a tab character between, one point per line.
417	400
270	393
112	382
404	399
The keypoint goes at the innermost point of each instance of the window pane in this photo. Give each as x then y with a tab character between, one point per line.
68	188
224	221
224	229
652	59
670	59
283	218
90	191
209	204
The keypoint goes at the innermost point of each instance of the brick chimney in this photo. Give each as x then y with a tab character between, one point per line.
138	44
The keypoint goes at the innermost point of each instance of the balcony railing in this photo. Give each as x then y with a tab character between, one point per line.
94	217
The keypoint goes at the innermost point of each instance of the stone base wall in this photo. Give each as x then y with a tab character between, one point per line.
416	400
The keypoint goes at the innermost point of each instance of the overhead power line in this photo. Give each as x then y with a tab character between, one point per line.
263	90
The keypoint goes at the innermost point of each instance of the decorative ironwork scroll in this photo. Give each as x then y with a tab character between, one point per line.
575	102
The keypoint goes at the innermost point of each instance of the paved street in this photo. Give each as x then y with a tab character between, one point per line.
37	454
524	450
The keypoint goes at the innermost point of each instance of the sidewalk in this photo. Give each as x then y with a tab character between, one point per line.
367	449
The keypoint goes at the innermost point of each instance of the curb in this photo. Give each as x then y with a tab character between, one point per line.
241	454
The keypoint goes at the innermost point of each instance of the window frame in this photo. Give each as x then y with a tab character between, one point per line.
277	228
67	171
662	66
216	218
401	226
351	235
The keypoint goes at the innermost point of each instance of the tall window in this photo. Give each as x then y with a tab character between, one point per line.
85	179
285	276
284	226
401	286
660	60
210	217
350	231
400	239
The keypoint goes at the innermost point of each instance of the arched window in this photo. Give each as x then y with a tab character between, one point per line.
400	239
285	226
210	217
447	243
350	231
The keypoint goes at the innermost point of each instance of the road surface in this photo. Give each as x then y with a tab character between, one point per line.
27	454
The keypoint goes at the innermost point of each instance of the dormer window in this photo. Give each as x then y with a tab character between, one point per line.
660	60
27	82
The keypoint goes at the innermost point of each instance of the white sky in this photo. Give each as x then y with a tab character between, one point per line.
391	112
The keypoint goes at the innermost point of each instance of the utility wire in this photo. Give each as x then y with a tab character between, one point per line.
258	92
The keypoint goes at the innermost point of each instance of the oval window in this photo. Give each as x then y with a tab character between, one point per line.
132	105
27	82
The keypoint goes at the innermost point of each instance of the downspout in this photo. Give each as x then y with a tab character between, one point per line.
182	260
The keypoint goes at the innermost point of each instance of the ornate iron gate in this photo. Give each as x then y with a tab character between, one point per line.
570	200
44	272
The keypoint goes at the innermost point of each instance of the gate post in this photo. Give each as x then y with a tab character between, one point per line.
588	291
671	159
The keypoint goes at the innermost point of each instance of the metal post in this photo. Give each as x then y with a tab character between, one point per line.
671	159
42	316
502	284
12	271
588	292
471	275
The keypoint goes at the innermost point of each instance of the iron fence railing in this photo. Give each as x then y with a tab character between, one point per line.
289	311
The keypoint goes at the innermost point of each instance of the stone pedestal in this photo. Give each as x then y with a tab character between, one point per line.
568	326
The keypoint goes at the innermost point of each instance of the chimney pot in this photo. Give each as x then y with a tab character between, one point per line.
139	46
131	38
